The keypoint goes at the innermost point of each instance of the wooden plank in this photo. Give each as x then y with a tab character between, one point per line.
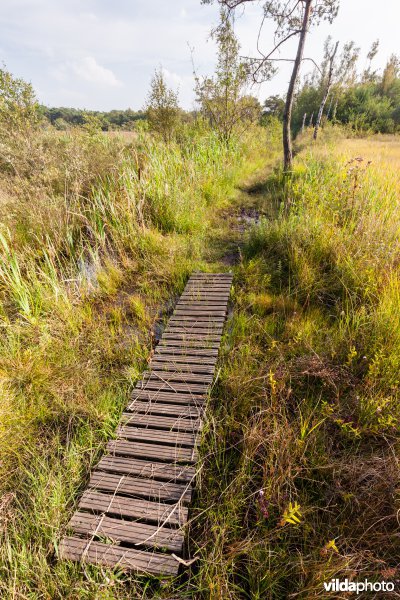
177	439
198	312
187	319
155	451
110	555
209	281
117	530
176	376
202	305
206	294
169	397
194	328
178	359
201	328
138	492
134	508
159	365
146	468
142	488
183	336
170	423
201	322
158	408
178	351
212	276
208	326
220	286
175	386
189	344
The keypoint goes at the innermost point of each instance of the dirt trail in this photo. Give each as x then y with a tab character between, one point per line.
230	224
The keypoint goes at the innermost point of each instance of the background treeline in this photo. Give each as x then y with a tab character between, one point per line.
63	117
364	101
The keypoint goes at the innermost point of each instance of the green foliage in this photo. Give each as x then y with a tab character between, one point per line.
222	98
18	105
274	106
162	107
19	117
370	103
62	117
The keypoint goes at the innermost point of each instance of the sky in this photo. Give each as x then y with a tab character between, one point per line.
101	54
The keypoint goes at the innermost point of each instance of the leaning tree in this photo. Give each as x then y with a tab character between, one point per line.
293	19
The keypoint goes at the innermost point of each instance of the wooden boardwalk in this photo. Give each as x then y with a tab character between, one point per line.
133	513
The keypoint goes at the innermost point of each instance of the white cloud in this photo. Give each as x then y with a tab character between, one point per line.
172	78
90	70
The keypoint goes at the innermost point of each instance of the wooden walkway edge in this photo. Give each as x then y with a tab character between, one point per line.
133	513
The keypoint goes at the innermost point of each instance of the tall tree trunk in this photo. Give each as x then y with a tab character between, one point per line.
326	93
287	115
328	114
311	120
304	122
335	110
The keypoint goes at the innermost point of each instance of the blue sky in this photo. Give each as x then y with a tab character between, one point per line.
100	54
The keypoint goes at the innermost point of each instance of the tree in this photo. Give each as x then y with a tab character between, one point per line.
390	74
222	98
346	72
326	81
274	106
19	115
370	75
293	18
162	107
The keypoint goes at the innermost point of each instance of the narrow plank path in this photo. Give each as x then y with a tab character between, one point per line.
134	511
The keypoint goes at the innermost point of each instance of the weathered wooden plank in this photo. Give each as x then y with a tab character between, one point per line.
110	555
146	468
205	329
142	488
117	530
178	359
162	366
208	281
187	336
159	408
176	376
155	451
151	463
211	276
134	508
206	306
158	436
175	386
201	295
198	312
169	397
184	350
204	334
189	344
170	423
220	286
187	319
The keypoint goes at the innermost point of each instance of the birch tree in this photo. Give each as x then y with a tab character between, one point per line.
293	19
223	98
326	82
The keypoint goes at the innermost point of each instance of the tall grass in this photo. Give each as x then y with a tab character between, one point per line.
301	466
97	235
